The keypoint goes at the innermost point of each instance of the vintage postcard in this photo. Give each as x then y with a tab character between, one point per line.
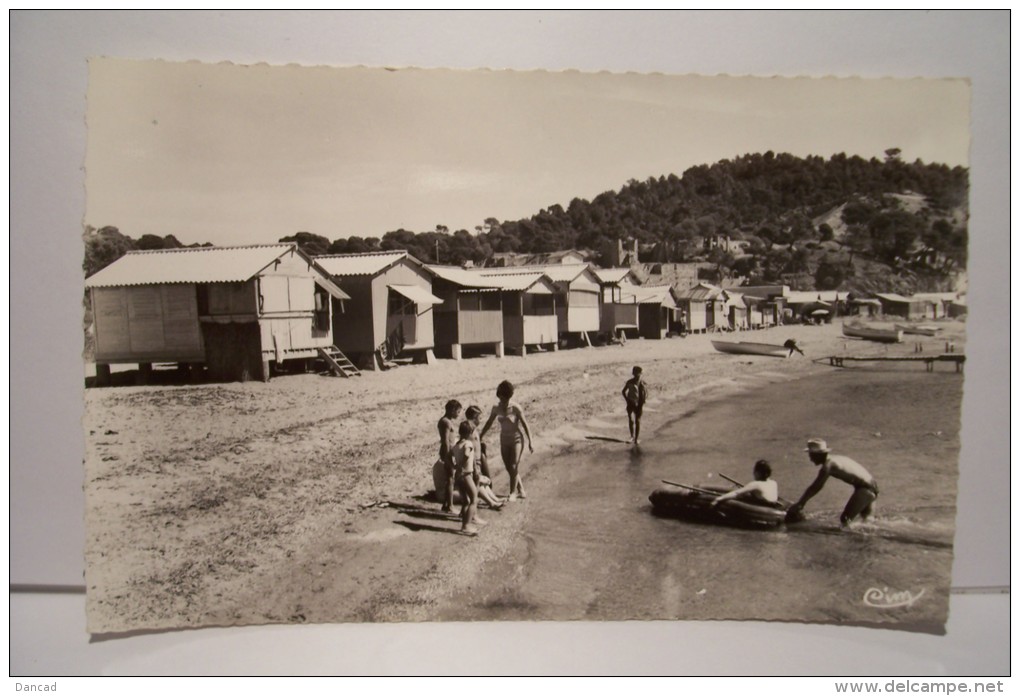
372	345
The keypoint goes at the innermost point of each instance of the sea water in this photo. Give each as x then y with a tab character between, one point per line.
590	548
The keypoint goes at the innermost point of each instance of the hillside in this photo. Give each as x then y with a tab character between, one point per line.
809	222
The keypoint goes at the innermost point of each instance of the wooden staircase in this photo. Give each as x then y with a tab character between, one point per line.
338	362
389	349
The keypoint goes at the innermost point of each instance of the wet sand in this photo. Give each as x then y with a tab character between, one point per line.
304	499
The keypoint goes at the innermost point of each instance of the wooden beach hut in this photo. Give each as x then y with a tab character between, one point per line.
616	313
658	310
236	310
816	305
471	313
390	314
577	296
738	309
703	306
905	307
529	311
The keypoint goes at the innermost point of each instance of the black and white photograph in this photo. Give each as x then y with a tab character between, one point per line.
603	342
371	345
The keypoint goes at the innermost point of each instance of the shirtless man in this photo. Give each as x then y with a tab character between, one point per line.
845	469
762	491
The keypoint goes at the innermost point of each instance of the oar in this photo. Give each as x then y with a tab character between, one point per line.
735	482
691	488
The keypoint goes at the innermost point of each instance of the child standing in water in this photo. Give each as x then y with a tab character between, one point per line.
463	454
513	427
447	437
635	393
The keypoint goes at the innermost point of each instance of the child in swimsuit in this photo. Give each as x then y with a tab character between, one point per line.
513	427
447	436
482	475
463	454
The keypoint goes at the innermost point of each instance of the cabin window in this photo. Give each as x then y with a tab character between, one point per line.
490	302
400	305
202	292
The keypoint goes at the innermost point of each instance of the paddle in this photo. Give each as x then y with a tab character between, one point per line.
691	488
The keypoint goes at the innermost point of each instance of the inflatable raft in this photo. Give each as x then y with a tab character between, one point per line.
696	505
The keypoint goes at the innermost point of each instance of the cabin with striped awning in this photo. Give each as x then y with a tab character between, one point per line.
391	311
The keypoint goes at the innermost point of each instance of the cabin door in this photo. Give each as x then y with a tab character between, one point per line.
402	316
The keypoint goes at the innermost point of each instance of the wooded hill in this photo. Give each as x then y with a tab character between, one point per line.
809	222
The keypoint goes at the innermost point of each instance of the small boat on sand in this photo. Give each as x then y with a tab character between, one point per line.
695	504
873	334
747	348
919	329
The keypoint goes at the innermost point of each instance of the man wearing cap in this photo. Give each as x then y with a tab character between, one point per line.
845	469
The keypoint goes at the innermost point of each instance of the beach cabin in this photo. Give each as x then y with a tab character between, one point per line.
238	311
703	306
868	307
390	313
529	311
940	302
618	314
658	310
904	307
470	315
577	296
816	306
738	309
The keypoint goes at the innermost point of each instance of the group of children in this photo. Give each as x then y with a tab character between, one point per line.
463	462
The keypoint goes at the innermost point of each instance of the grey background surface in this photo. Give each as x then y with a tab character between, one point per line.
49	51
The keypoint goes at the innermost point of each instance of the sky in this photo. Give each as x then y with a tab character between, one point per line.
234	154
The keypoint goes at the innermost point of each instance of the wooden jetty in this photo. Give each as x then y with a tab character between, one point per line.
928	360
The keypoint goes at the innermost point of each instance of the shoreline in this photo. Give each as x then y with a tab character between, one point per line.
258	503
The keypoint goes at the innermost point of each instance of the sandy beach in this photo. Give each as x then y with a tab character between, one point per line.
305	499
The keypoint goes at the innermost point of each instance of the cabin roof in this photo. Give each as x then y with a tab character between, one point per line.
652	294
609	276
557	272
805	296
892	297
370	263
529	281
464	278
701	292
195	265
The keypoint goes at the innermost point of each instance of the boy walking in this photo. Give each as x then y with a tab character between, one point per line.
635	393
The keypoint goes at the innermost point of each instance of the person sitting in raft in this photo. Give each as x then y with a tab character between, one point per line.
845	469
762	491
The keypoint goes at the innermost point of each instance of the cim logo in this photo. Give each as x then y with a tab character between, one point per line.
884	598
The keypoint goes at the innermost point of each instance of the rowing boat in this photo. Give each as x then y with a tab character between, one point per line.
873	334
747	348
919	329
695	505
